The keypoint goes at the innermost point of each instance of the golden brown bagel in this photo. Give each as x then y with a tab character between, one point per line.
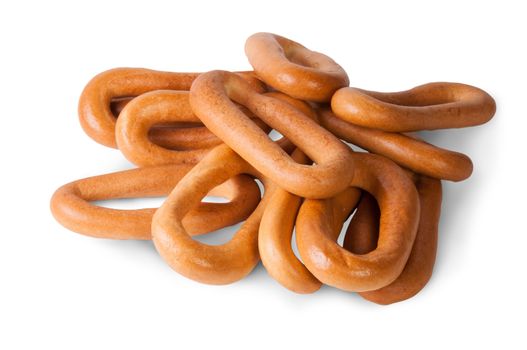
71	205
426	107
178	136
399	203
95	113
293	69
220	264
138	117
210	98
420	264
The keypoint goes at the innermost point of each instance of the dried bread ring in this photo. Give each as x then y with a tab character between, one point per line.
426	107
362	238
178	136
71	205
138	117
334	265
204	263
210	98
293	69
95	113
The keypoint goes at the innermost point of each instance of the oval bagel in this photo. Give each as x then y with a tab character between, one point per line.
426	107
138	117
334	265
293	69
178	136
210	98
71	207
95	113
420	264
221	264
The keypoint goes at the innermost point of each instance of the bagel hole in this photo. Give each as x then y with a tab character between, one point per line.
215	199
225	234
260	187
146	202
294	246
275	135
220	236
130	203
345	224
364	248
355	148
117	104
180	136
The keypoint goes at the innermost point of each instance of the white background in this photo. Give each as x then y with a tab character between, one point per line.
62	290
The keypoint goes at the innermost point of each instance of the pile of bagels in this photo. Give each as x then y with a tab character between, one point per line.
194	135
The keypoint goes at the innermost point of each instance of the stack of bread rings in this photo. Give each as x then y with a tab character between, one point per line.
198	134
